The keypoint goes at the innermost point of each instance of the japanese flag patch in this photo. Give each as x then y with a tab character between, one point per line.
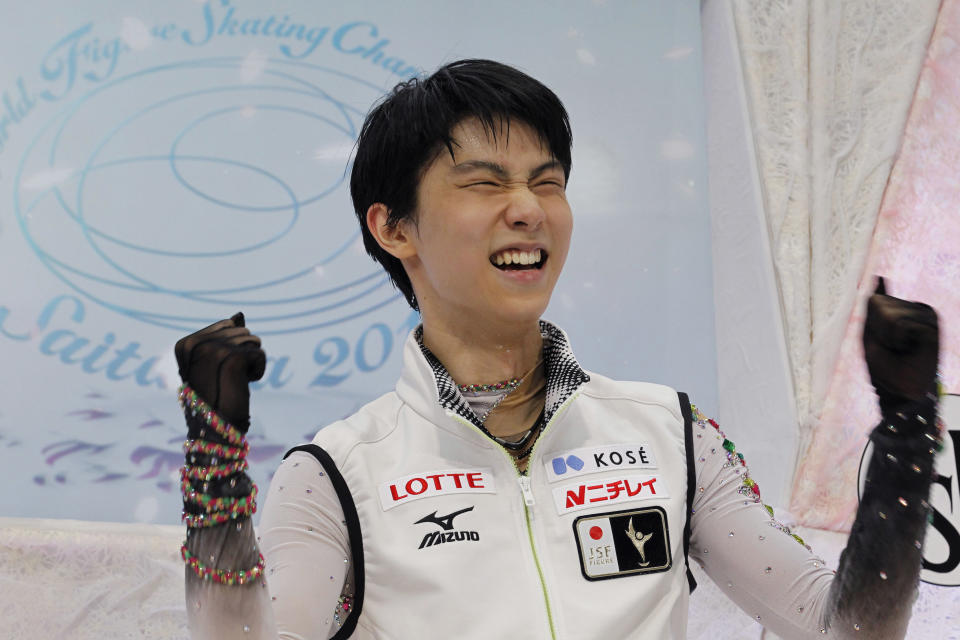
623	543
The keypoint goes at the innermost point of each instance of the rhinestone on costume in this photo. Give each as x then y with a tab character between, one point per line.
856	627
706	551
903	501
800	609
883	575
239	526
882	515
891	457
921	419
730	535
768	570
246	628
762	537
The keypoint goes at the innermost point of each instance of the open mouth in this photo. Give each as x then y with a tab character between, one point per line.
516	260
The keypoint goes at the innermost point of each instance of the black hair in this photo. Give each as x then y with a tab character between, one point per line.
405	131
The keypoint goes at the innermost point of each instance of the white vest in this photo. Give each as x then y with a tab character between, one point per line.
457	544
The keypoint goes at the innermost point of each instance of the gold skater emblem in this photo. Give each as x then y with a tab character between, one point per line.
639	540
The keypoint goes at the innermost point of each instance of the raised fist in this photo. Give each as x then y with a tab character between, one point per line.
901	345
219	362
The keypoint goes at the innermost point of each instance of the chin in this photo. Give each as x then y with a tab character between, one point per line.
521	311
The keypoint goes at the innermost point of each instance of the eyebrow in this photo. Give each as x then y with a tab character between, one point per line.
499	170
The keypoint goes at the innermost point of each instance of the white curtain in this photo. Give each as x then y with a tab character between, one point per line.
829	85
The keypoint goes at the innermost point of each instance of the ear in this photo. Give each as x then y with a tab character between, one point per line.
394	239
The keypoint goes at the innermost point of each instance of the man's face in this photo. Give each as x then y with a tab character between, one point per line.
493	228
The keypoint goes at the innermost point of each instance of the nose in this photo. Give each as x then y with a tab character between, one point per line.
524	210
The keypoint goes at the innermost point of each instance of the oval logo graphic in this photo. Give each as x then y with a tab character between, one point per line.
206	185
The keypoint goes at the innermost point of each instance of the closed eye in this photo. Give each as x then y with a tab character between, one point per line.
550	184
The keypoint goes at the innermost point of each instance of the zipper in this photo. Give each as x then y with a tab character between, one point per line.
526	491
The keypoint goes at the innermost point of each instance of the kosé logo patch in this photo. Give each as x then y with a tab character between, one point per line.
447	532
623	543
578	462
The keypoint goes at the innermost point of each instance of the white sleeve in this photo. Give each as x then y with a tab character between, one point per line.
772	576
751	557
307	550
304	541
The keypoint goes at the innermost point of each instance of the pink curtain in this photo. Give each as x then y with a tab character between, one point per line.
916	247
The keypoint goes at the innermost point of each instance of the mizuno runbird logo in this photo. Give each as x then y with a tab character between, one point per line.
444	522
446	533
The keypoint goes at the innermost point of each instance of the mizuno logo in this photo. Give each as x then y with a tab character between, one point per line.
444	522
446	533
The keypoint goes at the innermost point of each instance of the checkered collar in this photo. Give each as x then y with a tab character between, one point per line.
563	372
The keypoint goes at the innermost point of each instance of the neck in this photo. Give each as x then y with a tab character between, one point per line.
485	355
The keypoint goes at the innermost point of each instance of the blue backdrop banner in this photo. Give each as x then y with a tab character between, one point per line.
164	165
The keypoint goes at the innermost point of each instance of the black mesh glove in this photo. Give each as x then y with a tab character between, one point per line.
877	578
219	362
901	345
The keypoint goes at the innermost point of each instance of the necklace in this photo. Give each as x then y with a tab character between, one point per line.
517	445
504	385
510	395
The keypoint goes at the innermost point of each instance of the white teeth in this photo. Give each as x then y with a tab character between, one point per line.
517	257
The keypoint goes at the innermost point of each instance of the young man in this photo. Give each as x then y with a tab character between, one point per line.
501	491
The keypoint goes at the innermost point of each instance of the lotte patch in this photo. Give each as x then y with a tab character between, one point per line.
623	543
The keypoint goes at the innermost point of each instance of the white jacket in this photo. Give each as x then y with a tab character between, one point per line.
456	543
